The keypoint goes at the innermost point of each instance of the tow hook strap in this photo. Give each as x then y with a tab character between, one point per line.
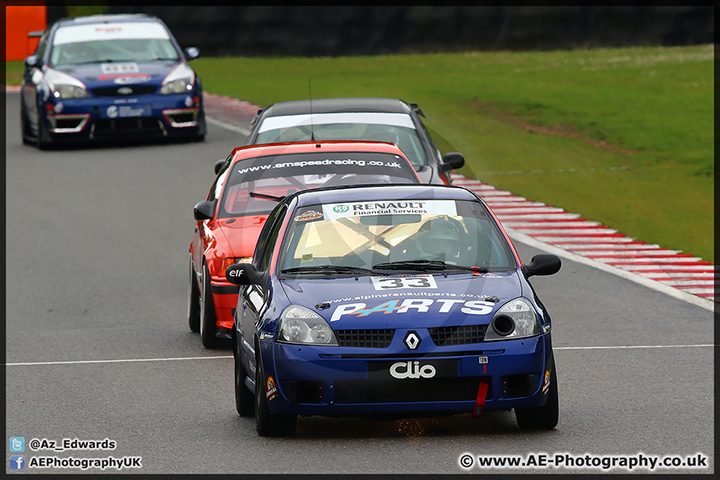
480	401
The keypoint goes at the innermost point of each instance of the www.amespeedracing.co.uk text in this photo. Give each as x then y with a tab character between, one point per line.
585	461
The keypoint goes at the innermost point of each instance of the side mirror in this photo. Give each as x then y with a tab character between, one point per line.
218	165
32	61
242	274
191	53
542	264
454	160
204	210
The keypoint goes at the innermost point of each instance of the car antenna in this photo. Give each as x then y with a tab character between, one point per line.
312	128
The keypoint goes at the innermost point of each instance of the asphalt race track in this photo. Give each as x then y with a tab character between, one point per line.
98	347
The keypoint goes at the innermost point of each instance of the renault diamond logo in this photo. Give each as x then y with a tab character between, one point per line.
412	340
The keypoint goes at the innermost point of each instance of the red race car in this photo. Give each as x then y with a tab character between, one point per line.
248	185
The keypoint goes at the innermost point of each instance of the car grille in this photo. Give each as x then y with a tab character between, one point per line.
129	126
113	91
420	390
460	335
375	338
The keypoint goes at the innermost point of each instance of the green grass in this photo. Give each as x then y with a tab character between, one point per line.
636	125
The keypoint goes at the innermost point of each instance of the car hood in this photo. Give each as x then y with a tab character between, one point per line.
241	233
97	75
362	303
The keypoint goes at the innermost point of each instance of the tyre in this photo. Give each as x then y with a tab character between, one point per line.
244	399
193	301
541	418
268	425
200	131
208	327
24	127
43	140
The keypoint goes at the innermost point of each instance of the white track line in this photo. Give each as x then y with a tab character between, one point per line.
628	275
631	347
136	360
126	360
227	126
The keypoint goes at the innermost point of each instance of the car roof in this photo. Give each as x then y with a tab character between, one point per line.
251	151
107	18
334	105
381	192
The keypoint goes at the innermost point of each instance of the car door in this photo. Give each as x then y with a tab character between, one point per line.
203	234
253	299
32	79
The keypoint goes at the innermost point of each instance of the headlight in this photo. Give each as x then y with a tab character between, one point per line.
64	86
70	91
302	325
180	80
515	319
181	85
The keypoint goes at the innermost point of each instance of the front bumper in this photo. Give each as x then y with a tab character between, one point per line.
132	116
330	381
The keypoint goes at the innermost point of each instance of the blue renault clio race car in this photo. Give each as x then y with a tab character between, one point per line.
109	77
401	300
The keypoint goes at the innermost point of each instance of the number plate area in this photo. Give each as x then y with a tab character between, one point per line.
412	369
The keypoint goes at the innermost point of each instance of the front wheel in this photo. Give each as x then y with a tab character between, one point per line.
541	418
24	126
244	400
208	327
268	425
43	140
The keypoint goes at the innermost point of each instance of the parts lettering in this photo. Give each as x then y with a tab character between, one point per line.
442	305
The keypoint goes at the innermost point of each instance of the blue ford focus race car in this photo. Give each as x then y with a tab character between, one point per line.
110	76
399	300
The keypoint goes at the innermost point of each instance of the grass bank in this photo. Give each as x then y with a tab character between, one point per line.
621	136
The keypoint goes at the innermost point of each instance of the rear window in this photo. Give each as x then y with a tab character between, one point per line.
397	128
254	186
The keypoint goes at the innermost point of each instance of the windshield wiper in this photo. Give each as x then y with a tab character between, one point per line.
427	265
412	265
265	195
100	60
327	268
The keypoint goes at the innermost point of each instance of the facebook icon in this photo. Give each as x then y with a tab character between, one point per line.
17	462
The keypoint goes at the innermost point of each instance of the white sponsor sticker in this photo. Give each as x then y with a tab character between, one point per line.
403	281
109	31
129	67
389	207
287	121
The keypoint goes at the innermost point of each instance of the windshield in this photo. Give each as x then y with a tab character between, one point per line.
397	234
396	128
255	185
112	42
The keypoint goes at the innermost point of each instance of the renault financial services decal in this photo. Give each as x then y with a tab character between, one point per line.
419	305
394	207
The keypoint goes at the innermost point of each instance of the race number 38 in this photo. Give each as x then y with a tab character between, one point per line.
415	281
